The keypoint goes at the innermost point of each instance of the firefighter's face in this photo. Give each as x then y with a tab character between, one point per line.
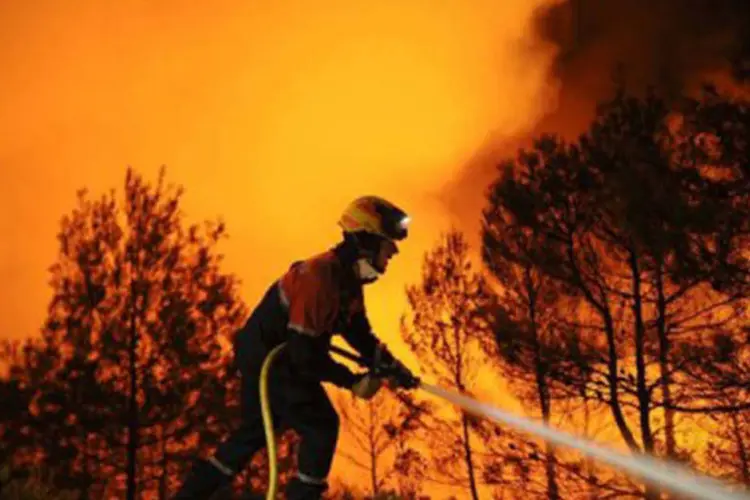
385	252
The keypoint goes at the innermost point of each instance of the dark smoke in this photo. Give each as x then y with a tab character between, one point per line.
666	44
672	46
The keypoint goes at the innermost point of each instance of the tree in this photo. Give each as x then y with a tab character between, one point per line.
130	362
546	195
26	364
448	327
728	447
687	238
51	428
627	221
381	428
536	344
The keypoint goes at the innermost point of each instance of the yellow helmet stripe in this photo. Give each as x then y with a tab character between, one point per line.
366	218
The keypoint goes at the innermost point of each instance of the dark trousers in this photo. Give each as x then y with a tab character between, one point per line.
300	405
297	404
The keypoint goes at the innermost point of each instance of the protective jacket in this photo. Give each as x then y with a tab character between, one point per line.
313	300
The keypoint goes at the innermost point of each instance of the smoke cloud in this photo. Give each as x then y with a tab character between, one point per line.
671	45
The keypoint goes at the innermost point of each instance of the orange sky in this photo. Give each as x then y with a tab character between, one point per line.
267	112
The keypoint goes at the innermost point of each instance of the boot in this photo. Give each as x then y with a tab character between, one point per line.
202	482
299	490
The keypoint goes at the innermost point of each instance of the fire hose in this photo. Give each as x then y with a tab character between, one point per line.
663	474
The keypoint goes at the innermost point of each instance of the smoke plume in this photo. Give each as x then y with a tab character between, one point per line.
672	46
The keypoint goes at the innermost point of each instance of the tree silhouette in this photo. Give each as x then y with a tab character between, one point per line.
129	369
381	429
728	447
629	222
537	344
714	156
18	387
683	202
448	327
52	429
546	193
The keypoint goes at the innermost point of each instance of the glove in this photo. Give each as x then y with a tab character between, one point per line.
388	366
366	386
401	376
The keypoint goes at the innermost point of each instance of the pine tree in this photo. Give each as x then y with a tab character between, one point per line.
630	222
380	430
128	369
449	327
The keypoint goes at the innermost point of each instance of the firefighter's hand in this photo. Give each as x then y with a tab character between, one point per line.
366	386
401	376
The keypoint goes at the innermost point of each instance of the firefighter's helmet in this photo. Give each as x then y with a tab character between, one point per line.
374	215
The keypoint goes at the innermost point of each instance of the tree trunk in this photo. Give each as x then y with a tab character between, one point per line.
613	384
541	385
602	307
551	470
459	380
590	472
468	458
665	379
132	401
644	398
550	458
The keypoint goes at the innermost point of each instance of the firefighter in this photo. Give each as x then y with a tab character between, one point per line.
315	299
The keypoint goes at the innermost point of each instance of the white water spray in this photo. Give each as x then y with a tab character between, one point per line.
678	479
